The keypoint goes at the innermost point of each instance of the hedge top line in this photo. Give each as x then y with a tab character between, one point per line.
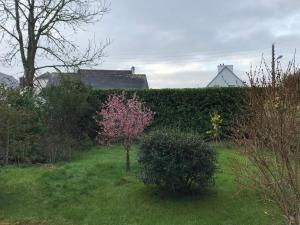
176	89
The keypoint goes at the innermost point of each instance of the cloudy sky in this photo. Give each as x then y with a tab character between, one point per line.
179	43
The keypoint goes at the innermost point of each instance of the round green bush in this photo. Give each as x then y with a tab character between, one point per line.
176	161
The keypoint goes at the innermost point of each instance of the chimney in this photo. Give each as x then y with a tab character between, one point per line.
132	70
221	66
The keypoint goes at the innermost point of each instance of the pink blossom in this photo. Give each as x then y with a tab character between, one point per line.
123	119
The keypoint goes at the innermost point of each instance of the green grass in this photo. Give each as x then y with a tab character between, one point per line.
95	189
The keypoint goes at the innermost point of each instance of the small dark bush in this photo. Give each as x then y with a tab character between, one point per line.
176	161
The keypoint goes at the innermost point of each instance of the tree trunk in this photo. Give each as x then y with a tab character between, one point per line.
127	158
29	76
31	50
7	143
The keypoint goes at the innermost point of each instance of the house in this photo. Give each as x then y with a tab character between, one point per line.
8	81
98	79
226	78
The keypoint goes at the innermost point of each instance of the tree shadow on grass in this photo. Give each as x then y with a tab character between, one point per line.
190	196
25	222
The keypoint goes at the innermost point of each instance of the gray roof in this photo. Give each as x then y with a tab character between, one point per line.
221	71
101	79
8	81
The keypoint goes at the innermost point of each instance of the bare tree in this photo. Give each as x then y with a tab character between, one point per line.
38	29
270	136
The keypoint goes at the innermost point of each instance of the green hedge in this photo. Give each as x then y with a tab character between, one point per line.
186	109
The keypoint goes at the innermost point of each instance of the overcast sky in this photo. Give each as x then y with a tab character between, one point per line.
179	43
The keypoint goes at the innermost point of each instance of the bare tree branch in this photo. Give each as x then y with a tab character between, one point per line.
36	29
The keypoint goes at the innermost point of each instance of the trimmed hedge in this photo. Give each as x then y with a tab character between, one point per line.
186	109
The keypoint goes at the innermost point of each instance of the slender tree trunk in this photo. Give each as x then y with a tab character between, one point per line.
7	143
128	158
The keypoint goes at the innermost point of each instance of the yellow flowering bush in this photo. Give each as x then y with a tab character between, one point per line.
216	121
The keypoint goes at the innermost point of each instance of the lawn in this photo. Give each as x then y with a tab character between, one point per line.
95	189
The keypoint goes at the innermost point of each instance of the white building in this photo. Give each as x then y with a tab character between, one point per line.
226	78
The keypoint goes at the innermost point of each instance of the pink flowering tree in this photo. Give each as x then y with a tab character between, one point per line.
123	119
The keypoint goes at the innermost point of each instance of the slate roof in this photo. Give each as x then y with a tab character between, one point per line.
8	81
101	79
221	71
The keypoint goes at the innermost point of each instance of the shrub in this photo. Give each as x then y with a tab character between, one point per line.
20	126
67	108
176	161
44	127
66	117
216	122
269	138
